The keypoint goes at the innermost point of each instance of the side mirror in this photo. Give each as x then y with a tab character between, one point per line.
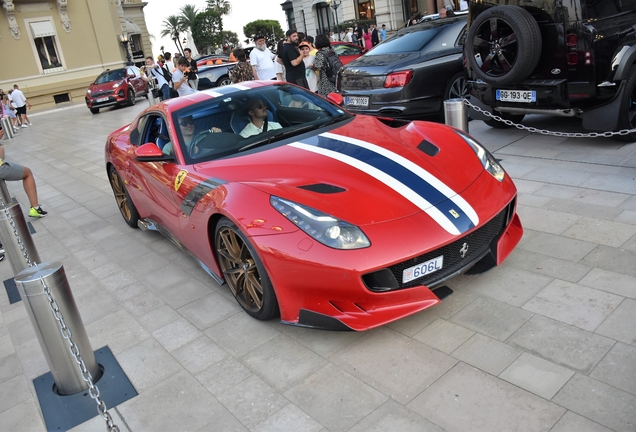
149	152
335	98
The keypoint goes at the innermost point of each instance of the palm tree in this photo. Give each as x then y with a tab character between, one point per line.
172	27
222	7
188	14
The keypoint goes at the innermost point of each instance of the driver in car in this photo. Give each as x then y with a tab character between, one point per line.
188	134
257	111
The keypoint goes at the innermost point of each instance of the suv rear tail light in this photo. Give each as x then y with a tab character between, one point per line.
398	79
573	59
571	39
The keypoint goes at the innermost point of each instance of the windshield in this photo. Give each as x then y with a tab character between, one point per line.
242	120
108	76
408	41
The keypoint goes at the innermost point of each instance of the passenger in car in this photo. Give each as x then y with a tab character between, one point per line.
258	114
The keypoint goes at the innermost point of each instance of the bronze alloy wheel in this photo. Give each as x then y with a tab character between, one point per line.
126	206
244	273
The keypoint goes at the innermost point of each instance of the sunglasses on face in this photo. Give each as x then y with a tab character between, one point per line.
186	122
260	106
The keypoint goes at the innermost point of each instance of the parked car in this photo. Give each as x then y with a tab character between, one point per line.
215	75
212	58
573	59
115	87
347	52
410	74
326	218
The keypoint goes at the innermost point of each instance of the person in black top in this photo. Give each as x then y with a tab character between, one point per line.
193	79
293	60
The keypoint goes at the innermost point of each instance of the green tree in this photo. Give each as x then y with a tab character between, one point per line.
206	29
229	38
172	27
222	7
269	28
188	14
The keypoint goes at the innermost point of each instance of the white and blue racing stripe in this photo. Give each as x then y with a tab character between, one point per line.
417	185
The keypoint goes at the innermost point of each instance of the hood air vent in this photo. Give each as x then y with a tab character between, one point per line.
322	188
428	148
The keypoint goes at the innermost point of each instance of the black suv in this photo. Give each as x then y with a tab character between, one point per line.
574	58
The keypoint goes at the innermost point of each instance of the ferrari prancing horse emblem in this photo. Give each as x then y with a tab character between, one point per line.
179	179
454	213
464	250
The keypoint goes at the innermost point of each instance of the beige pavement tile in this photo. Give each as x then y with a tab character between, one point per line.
558	268
240	334
210	310
601	231
499	322
137	299
599	402
392	416
401	372
608	281
190	405
528	199
175	287
549	221
21	331
23	417
323	343
223	375
282	362
509	284
199	354
32	359
443	335
6	346
558	247
527	186
13	392
147	364
630	244
9	367
618	368
583	209
252	401
94	304
469	399
617	260
574	304
537	375
335	399
486	354
583	195
572	422
176	334
621	324
613	183
158	318
560	343
290	418
119	331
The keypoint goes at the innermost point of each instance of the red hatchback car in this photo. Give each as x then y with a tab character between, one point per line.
115	87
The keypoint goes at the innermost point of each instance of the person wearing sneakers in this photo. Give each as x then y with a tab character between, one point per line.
15	172
21	104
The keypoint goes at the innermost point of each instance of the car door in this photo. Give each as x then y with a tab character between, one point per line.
138	83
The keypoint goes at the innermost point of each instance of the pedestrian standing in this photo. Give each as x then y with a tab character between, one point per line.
280	68
242	70
326	85
193	79
310	74
262	60
293	60
152	70
366	36
7	111
375	37
383	32
180	78
21	103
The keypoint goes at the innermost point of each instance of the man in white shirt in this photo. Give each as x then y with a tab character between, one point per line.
180	80
20	102
262	60
258	113
154	70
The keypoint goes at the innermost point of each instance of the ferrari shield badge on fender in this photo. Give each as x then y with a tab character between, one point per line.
179	179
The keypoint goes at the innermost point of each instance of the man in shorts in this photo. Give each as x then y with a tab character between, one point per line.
15	172
21	103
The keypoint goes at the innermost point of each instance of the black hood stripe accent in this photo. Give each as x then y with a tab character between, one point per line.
198	192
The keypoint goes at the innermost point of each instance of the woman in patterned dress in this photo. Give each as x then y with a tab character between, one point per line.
325	85
242	70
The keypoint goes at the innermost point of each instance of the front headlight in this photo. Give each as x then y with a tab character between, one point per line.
327	229
487	160
208	75
117	84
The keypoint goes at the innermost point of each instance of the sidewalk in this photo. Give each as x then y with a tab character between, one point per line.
546	342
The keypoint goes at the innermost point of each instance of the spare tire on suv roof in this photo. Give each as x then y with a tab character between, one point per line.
503	45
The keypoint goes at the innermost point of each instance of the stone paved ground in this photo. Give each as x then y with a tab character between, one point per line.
546	342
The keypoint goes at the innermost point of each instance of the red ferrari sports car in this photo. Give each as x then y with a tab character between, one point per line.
328	219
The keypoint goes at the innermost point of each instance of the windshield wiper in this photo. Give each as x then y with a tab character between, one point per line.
281	134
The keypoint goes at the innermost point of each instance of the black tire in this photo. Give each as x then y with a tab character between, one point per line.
132	99
627	114
503	45
223	81
515	118
244	272
94	110
126	206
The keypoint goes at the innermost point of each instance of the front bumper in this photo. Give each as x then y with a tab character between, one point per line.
391	103
102	101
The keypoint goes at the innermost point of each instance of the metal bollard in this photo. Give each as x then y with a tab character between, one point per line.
65	370
7	126
152	99
456	114
16	238
5	196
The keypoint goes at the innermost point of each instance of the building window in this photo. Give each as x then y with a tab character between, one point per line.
288	8
366	9
46	46
323	13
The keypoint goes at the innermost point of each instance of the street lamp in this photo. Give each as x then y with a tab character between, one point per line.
123	39
335	4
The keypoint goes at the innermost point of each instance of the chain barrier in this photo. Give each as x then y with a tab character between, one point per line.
93	390
547	132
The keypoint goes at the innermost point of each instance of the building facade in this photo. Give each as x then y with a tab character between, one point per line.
53	49
320	16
